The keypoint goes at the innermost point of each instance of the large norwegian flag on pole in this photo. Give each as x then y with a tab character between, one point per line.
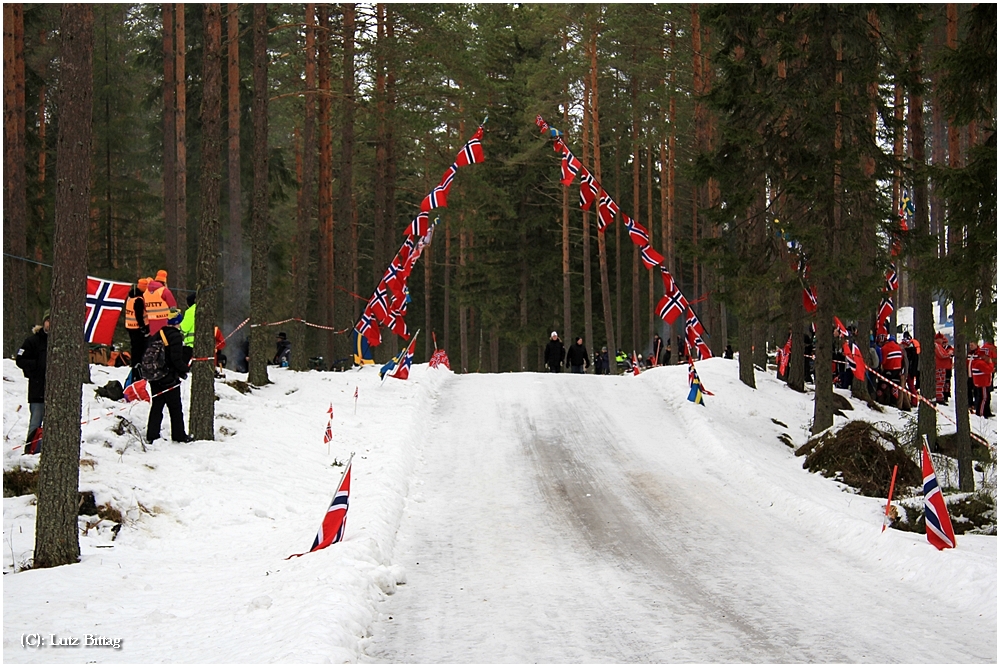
105	300
331	530
938	523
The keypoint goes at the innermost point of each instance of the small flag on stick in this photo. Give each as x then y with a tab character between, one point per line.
335	520
938	523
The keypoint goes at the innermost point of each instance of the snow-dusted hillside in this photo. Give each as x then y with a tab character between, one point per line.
536	492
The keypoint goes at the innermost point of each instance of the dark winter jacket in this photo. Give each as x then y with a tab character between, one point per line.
555	352
177	360
577	356
601	364
31	361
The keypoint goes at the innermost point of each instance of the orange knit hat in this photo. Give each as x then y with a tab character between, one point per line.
161	276
143	283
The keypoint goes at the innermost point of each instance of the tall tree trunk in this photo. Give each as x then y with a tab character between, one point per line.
236	295
522	348
649	273
923	316
304	212
796	363
169	141
259	236
463	309
637	342
56	534
326	281
588	284
178	275
567	301
389	249
428	264
699	124
961	308
381	148
609	325
345	254
15	202
447	285
203	372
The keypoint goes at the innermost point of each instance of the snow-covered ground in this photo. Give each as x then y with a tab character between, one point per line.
493	518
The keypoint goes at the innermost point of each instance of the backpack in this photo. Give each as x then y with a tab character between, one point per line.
154	359
112	390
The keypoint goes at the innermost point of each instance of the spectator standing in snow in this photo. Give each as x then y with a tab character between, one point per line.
165	384
135	321
981	375
576	357
31	360
602	365
283	353
555	352
943	363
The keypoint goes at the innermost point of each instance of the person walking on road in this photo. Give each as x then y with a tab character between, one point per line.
576	357
555	353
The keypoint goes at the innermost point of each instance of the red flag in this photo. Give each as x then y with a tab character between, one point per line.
328	436
570	168
472	152
105	300
589	189
839	327
809	299
650	257
420	225
329	411
938	524
331	530
636	232
607	209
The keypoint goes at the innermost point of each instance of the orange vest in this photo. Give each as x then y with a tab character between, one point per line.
156	306
130	320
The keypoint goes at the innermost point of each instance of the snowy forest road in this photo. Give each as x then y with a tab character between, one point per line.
575	519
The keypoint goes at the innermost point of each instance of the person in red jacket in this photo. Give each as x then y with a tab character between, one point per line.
981	370
892	368
944	355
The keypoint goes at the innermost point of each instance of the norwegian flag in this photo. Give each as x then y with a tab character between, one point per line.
668	281
400	301
671	305
938	524
367	326
786	356
105	300
331	530
472	152
438	197
693	330
636	232
839	327
328	436
650	257
570	168
635	364
397	325
809	299
855	360
394	278
607	209
885	309
438	359
420	225
405	250
378	305
589	189
542	125
891	279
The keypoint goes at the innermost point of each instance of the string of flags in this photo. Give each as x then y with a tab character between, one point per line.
672	304
387	305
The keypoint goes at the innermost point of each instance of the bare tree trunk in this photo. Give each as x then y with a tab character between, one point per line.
699	118
178	276
57	539
637	342
428	263
494	351
567	311
522	350
236	295
609	325
15	202
326	296
202	421
381	147
304	213
961	309
588	283
345	254
259	236
169	141
389	249
652	235
447	285
463	310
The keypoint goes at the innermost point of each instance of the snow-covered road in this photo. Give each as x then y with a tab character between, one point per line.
576	519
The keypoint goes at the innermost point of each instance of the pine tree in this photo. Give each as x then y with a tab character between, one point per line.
56	533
